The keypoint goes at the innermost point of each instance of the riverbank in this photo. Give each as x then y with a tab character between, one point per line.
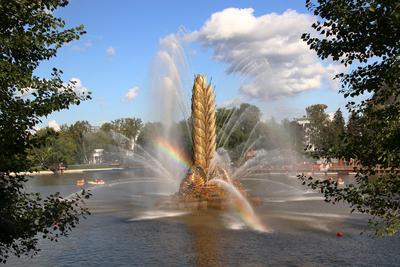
47	172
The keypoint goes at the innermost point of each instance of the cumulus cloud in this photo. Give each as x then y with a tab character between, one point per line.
110	51
78	87
332	70
131	94
54	125
266	50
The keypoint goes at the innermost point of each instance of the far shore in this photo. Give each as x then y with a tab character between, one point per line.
261	171
47	172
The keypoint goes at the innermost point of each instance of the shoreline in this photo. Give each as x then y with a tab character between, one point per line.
47	172
71	171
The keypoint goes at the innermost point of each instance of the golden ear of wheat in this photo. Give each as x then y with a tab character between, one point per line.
203	123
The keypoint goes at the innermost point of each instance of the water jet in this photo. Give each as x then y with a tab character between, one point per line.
207	184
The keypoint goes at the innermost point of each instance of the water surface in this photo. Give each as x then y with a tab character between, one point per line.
127	228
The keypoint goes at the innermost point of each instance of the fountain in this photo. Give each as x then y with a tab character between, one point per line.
207	184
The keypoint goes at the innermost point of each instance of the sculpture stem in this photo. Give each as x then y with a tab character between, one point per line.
203	123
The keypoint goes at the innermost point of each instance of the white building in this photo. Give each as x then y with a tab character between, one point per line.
97	156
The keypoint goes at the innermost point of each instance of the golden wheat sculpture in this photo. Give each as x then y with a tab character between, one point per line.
196	189
203	123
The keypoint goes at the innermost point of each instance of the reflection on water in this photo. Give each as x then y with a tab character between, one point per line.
156	214
204	243
126	228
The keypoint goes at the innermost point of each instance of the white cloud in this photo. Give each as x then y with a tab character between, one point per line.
131	94
110	51
266	50
78	87
332	70
54	125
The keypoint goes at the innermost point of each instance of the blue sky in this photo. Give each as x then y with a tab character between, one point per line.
123	37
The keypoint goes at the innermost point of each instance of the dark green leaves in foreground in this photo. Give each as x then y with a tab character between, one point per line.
30	218
366	35
378	197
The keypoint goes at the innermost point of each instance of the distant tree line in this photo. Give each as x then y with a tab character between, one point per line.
75	143
239	130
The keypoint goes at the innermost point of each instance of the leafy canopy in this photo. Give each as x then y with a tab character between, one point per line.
29	34
53	148
366	35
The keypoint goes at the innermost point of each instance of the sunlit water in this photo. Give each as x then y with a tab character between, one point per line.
127	229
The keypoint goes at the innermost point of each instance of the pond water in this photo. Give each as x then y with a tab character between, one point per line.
127	229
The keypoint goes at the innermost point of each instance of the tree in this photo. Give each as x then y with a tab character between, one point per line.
296	135
29	34
337	130
183	132
103	140
79	131
55	148
319	128
128	127
150	132
237	127
354	127
365	34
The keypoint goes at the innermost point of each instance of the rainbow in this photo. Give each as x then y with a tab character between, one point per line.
248	216
242	206
173	152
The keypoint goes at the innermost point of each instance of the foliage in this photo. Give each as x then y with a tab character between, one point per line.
127	128
29	34
366	31
325	135
337	131
237	127
54	148
240	129
296	134
319	128
75	143
365	34
150	132
183	132
78	132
